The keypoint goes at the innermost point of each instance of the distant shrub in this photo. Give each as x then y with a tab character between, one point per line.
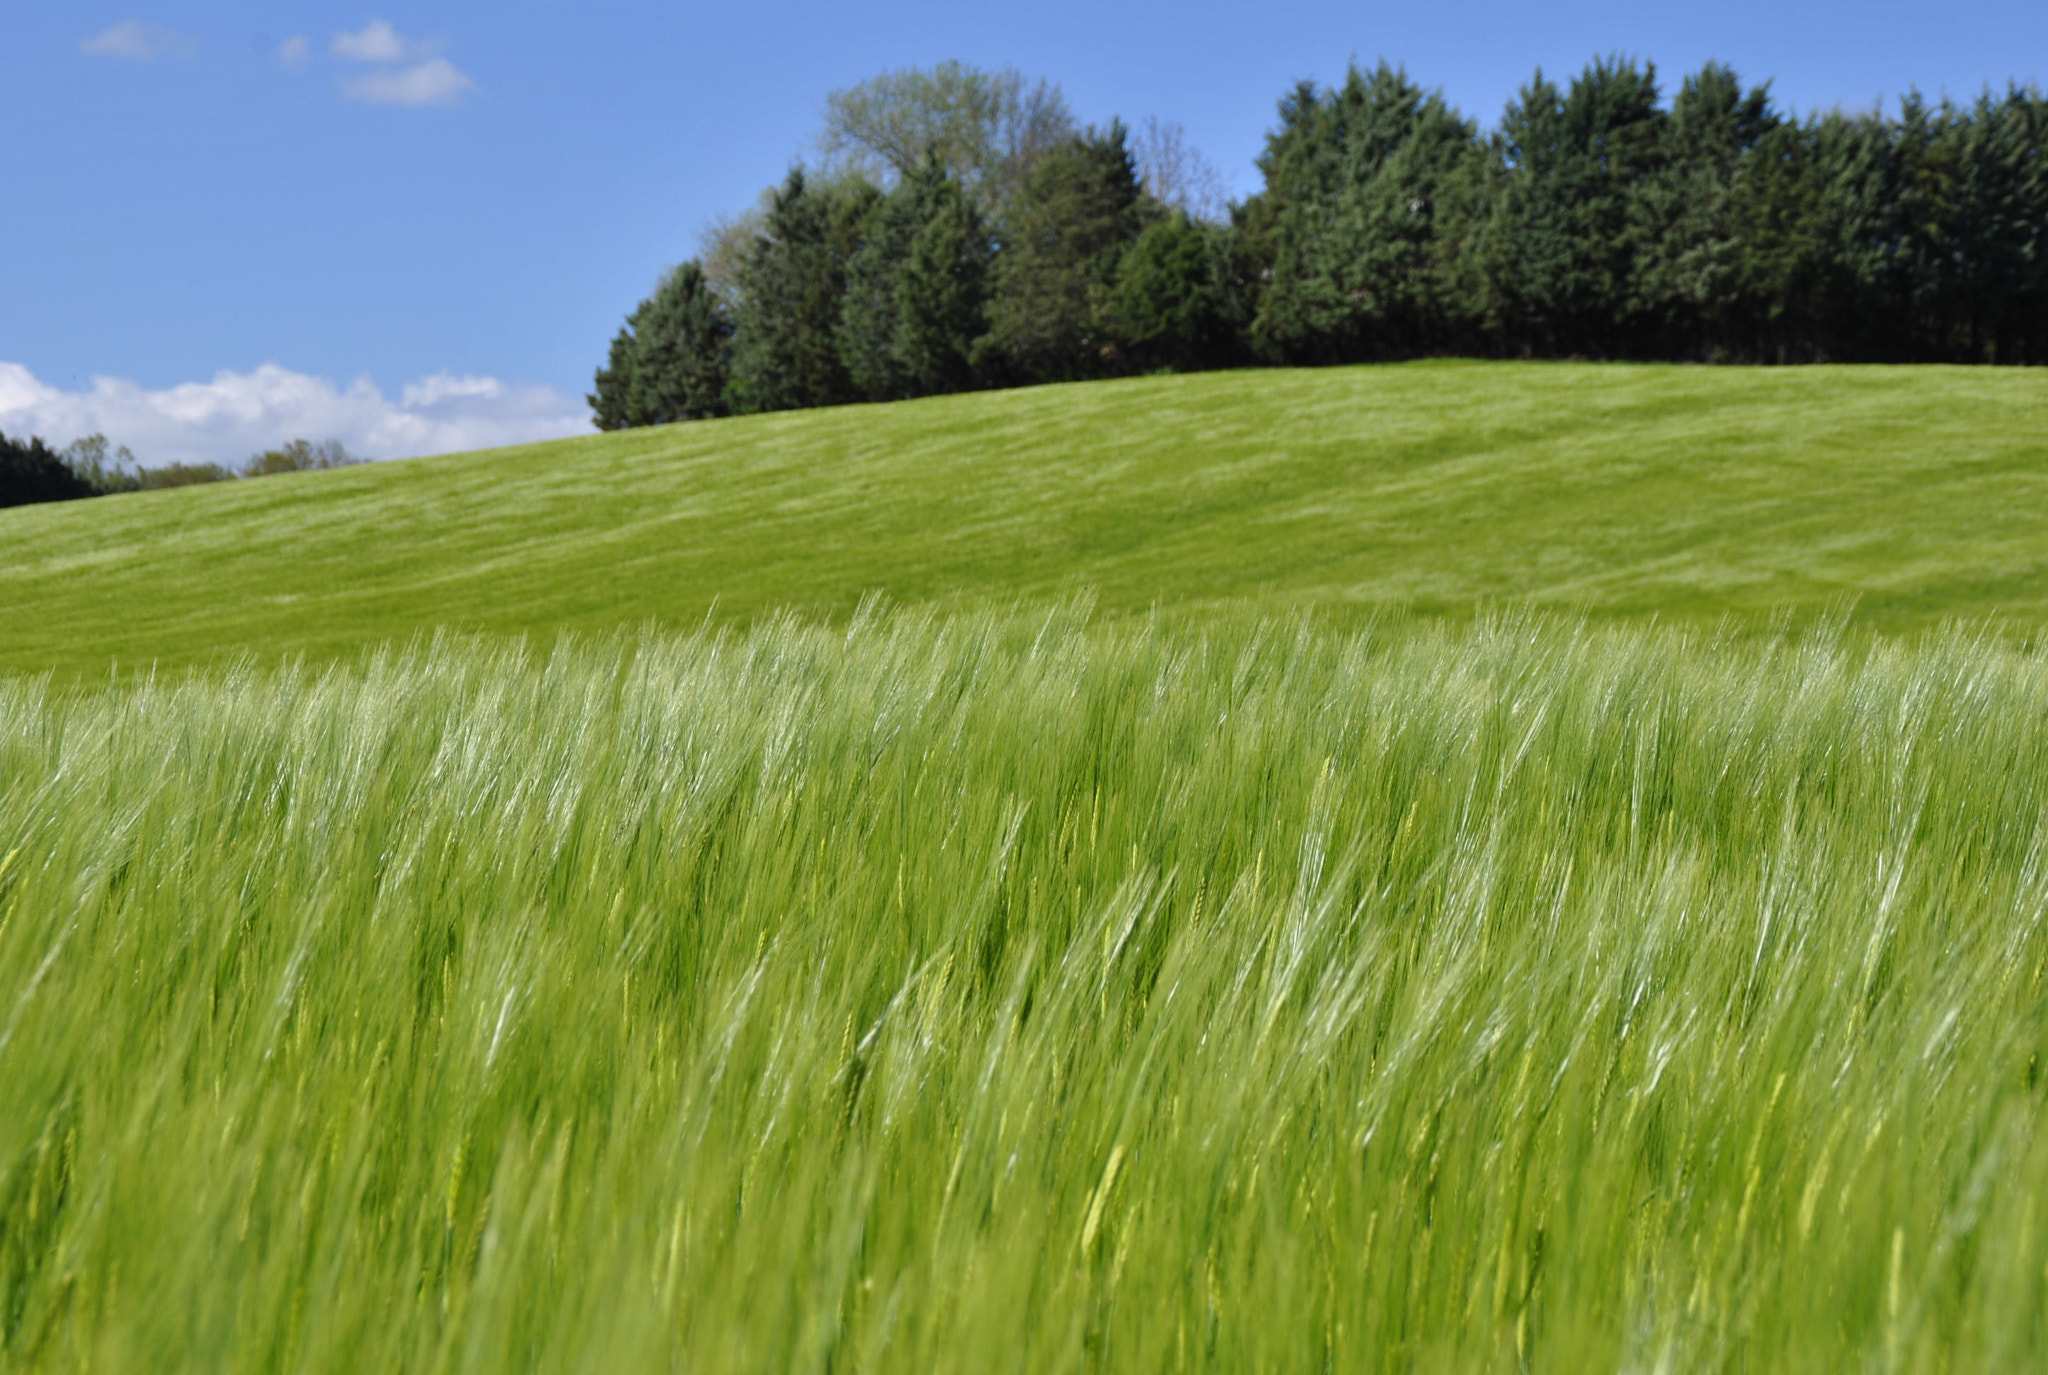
183	475
106	473
300	456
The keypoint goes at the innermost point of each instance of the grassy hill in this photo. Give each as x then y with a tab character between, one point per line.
1687	493
988	985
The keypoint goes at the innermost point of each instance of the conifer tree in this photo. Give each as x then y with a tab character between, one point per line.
916	289
32	472
1560	243
671	361
786	352
1689	287
942	294
1166	308
1067	228
1372	188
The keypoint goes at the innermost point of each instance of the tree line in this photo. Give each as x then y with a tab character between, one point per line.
32	472
960	231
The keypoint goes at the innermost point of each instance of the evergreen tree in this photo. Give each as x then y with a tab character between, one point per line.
1067	228
942	294
611	403
1781	222
1167	308
32	472
1560	245
786	353
1372	190
683	357
916	289
1689	288
672	360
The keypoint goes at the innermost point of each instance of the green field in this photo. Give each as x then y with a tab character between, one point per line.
1442	868
1911	495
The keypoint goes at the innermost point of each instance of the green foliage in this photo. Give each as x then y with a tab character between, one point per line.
31	472
943	292
987	128
300	456
1690	285
1011	993
1066	230
786	353
107	471
1561	243
1591	222
1371	196
916	289
184	475
1166	308
1693	495
672	361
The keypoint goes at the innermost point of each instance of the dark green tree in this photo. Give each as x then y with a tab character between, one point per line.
1067	228
942	294
916	289
611	404
1561	242
684	355
1167	307
1373	191
31	472
786	353
1690	291
672	360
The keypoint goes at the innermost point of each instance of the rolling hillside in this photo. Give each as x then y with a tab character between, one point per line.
1687	493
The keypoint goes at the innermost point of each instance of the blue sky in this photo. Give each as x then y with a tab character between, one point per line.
415	225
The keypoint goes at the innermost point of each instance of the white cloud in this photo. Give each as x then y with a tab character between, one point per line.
437	81
138	42
294	50
376	41
238	414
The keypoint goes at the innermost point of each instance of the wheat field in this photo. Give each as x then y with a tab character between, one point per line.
1024	990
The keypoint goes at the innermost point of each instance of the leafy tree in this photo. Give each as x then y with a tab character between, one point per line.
988	128
1167	307
1372	193
300	456
672	360
1561	242
184	475
1174	172
31	472
917	289
106	472
1067	229
786	350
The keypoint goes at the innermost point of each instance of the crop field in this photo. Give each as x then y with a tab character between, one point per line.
1008	992
1905	496
1192	874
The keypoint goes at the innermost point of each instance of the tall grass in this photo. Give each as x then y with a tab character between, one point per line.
1011	992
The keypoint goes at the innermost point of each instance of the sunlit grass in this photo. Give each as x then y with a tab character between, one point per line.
1021	991
1910	495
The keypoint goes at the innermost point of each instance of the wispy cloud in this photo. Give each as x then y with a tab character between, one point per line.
376	41
239	413
437	81
295	50
139	42
410	73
